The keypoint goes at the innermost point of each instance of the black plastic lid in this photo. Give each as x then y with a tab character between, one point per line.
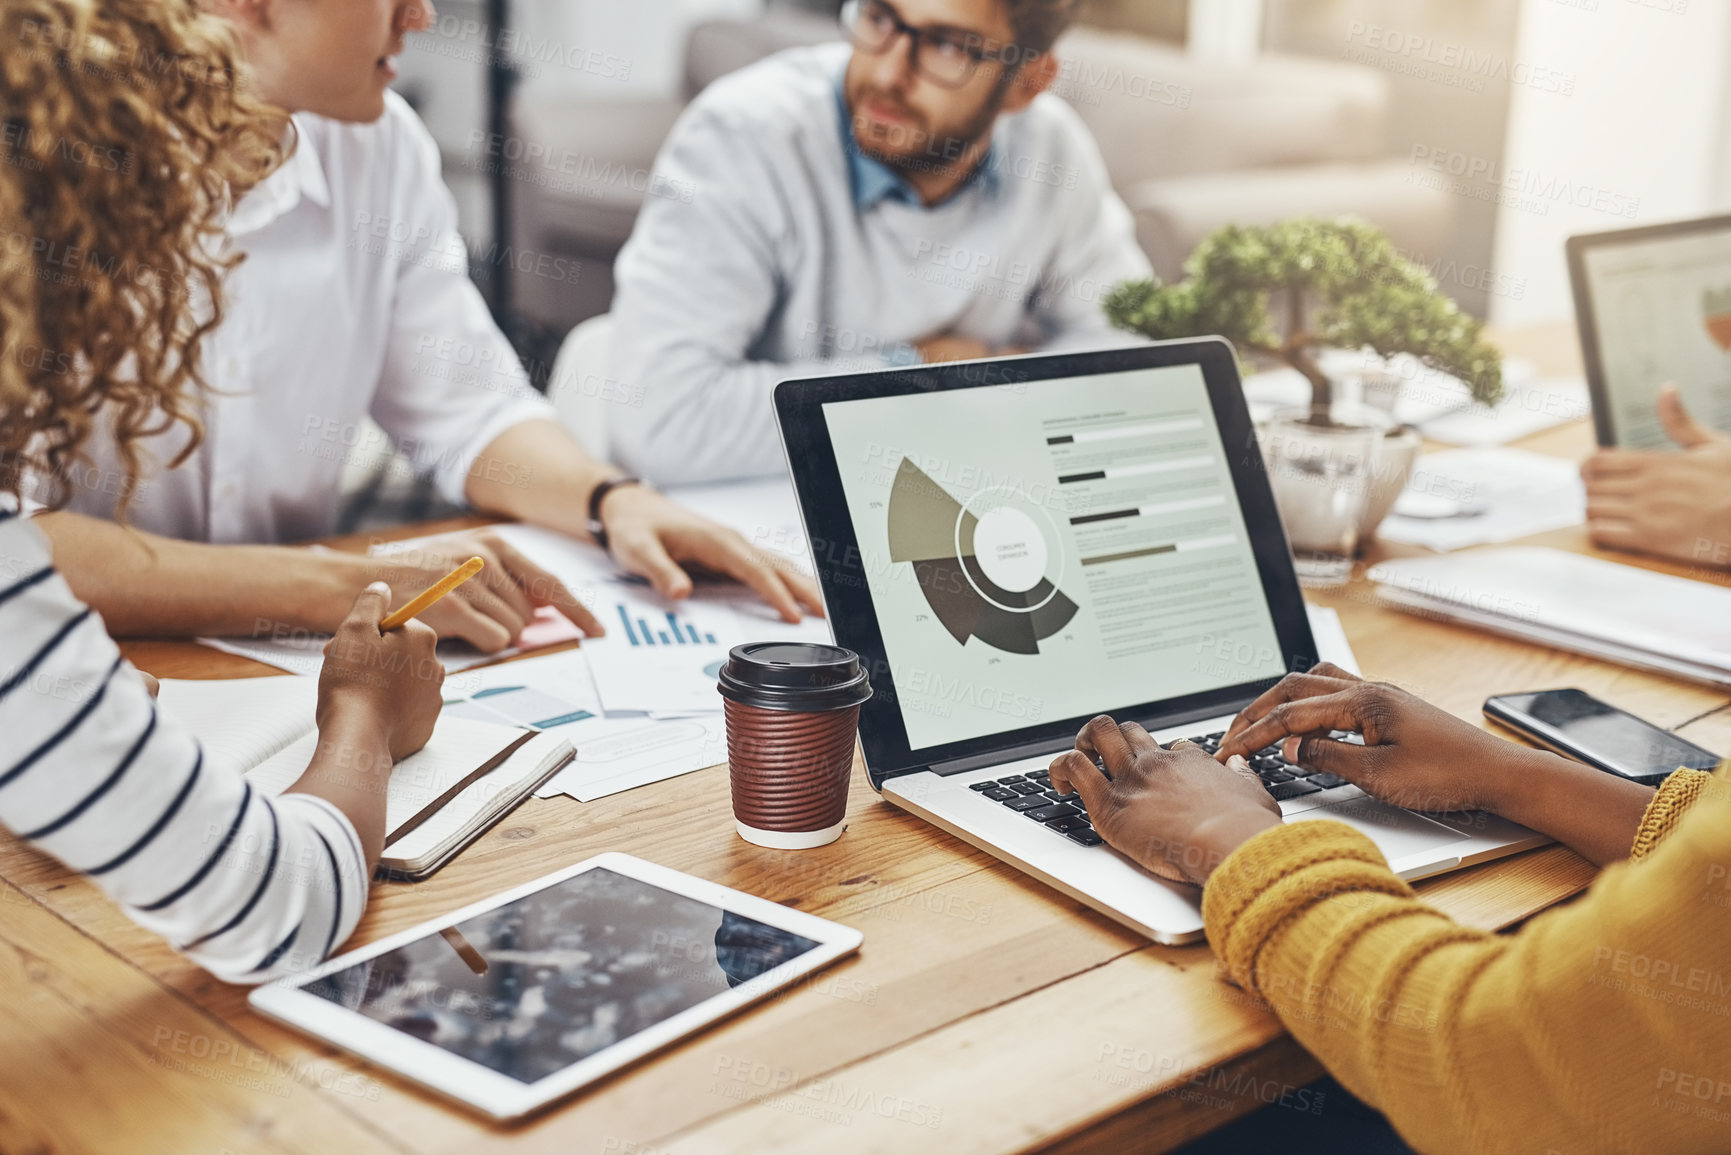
799	677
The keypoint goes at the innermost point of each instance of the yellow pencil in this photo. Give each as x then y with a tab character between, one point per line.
421	602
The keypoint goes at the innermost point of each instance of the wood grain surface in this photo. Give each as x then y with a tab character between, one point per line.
986	1013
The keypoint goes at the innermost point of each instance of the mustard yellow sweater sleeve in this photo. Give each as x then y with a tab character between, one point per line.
1603	1025
1673	799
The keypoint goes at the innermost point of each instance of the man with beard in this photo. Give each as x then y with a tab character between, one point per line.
913	195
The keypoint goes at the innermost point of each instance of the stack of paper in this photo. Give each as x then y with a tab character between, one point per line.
615	752
1582	604
652	696
658	657
639	704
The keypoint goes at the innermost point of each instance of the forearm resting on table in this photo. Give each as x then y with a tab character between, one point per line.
1592	813
537	472
144	585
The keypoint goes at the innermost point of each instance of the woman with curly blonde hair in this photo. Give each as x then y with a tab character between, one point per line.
126	136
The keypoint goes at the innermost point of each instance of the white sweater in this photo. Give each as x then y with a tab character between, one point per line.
752	262
249	887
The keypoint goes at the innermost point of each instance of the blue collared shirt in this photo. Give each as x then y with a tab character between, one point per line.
761	267
875	182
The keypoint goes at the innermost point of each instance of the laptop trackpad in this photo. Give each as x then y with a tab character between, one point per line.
1397	833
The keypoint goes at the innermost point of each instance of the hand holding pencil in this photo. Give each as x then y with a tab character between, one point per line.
380	691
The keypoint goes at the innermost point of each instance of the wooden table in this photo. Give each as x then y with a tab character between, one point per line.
986	1013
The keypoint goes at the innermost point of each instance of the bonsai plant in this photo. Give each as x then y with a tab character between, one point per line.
1334	283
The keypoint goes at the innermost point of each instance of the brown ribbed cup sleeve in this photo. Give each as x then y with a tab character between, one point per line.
790	771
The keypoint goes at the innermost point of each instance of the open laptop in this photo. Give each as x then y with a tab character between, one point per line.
1653	305
1014	546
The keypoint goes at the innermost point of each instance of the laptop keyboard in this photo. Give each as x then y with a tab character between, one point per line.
1032	796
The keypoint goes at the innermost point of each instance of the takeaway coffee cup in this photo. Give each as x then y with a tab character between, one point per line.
792	717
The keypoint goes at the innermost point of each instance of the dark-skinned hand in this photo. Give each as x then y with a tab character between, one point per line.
1414	755
1175	811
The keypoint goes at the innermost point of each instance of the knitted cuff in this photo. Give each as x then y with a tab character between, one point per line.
1279	873
1676	794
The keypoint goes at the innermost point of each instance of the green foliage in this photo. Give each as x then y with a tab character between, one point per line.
1354	290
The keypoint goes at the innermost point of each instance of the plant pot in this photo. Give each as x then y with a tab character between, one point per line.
1392	467
1396	456
1322	479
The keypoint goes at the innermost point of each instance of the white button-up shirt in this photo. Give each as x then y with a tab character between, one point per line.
354	300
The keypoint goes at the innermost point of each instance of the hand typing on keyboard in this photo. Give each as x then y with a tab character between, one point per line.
1412	754
1176	811
1424	758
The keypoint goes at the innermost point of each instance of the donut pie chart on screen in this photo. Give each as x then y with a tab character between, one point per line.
985	567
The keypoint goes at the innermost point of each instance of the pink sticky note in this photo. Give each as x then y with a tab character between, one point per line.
549	628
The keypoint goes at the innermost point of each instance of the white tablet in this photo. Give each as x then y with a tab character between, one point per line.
510	1003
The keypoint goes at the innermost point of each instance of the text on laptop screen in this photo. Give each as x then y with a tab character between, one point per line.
1051	549
1662	308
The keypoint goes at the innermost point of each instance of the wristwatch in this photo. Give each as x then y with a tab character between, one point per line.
597	529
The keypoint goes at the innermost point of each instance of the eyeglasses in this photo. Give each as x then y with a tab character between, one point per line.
946	56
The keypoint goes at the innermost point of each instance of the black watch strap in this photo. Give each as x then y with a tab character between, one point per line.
597	529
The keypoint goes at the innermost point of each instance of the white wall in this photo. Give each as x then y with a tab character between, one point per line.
1639	138
1225	31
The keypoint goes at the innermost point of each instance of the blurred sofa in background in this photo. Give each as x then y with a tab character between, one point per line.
1191	145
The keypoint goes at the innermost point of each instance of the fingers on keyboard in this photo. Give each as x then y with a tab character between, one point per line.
1065	814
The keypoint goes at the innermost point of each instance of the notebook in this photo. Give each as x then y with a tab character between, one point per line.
1617	612
469	775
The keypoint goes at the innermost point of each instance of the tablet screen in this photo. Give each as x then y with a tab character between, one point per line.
1662	312
531	987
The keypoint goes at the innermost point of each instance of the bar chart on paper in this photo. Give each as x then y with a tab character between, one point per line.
661	629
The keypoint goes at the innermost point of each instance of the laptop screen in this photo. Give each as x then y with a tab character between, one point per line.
1047	549
1660	312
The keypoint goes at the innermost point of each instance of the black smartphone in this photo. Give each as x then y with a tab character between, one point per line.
1577	725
